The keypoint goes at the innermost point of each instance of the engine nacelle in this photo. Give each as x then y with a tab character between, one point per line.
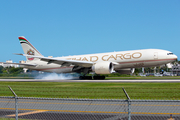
103	68
125	71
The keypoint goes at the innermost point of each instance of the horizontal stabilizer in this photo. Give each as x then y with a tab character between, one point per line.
25	64
18	54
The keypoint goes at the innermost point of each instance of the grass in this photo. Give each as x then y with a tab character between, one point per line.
140	78
92	90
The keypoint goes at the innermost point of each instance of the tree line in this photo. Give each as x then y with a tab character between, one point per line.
10	71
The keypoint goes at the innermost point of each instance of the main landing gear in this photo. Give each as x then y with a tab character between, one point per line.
90	77
99	77
85	77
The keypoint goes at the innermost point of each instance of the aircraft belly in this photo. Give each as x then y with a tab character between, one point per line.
120	66
140	64
156	63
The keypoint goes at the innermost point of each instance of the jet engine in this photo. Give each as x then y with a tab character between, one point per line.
125	71
103	68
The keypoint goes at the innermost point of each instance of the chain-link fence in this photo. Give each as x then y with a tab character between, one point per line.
88	109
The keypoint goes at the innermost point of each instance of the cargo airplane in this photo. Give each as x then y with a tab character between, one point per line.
123	62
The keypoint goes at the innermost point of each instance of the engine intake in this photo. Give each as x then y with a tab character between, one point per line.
103	68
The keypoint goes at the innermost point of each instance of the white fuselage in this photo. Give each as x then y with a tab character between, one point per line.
121	60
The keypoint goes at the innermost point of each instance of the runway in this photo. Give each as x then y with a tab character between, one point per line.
110	81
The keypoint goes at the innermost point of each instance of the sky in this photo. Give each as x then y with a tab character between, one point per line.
74	27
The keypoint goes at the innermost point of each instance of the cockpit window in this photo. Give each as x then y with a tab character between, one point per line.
170	54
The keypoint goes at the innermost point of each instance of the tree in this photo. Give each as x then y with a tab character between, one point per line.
11	70
6	70
15	70
1	69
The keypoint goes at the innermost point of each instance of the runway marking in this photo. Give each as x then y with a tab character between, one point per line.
39	110
63	103
88	104
27	113
152	105
155	113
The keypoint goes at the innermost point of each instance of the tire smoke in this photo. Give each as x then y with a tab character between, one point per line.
54	76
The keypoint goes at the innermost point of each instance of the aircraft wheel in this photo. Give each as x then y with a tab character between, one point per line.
88	77
85	77
99	77
81	77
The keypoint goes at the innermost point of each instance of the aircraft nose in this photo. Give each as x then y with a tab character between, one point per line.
175	56
170	55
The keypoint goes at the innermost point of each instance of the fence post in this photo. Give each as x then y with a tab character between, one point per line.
16	102
129	104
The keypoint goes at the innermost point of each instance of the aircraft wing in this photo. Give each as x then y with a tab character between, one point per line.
25	64
62	62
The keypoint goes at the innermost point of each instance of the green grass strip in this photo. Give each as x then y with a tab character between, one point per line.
164	91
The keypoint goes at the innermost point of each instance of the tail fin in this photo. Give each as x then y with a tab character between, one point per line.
29	49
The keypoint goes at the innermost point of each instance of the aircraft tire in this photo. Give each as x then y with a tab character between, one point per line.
99	77
85	77
81	77
88	77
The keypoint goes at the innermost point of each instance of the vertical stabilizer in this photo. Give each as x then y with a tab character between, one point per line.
28	48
